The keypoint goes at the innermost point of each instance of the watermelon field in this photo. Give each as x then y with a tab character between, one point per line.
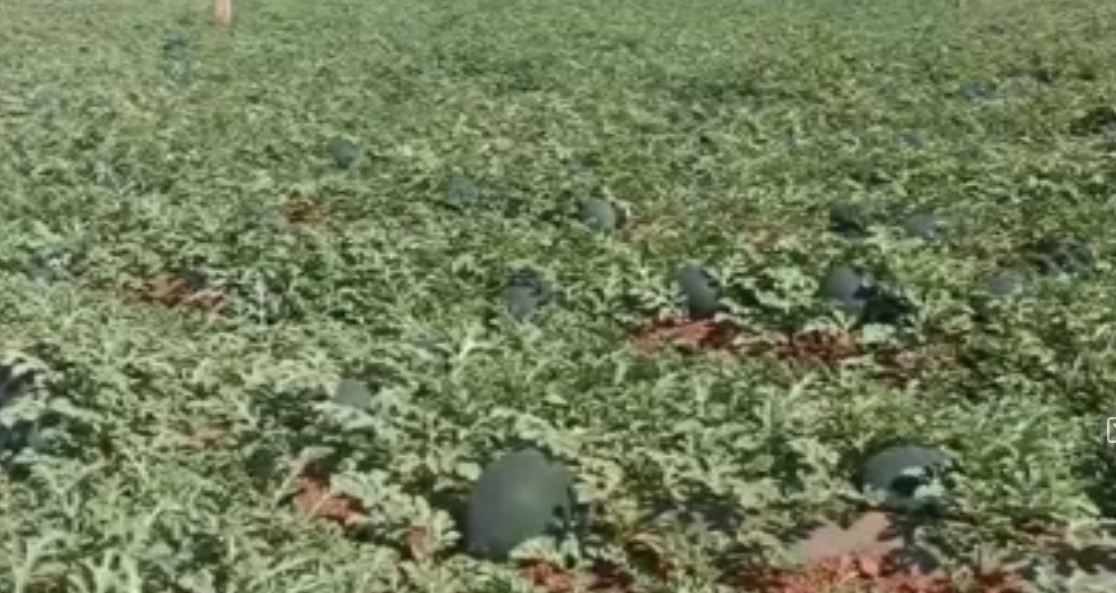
655	296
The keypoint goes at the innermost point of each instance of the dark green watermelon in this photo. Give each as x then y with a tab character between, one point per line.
525	292
846	288
353	393
518	497
842	283
896	473
176	54
913	139
1001	284
850	219
176	45
854	293
976	91
462	192
700	290
13	384
601	215
344	152
22	435
924	225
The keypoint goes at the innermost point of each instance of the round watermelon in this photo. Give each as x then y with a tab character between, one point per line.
845	287
700	290
520	496
905	477
353	393
601	216
526	291
924	225
344	152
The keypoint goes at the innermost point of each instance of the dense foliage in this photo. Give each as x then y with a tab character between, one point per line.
203	232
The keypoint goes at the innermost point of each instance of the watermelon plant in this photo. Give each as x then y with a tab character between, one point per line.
213	448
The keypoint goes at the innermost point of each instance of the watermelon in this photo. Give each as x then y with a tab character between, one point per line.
975	91
526	291
353	393
844	285
520	496
176	53
344	152
1001	284
700	290
13	383
849	219
924	225
855	294
914	139
601	216
898	476
462	192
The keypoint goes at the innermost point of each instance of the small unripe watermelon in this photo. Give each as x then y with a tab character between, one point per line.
849	219
526	291
518	497
976	92
176	45
842	283
344	152
601	215
846	288
896	473
175	50
20	436
913	139
13	383
701	291
353	393
924	225
462	192
1002	284
856	295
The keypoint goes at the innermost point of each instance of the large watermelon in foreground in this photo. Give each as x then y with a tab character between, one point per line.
905	477
518	497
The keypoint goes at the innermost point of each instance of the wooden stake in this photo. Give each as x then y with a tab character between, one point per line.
222	12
